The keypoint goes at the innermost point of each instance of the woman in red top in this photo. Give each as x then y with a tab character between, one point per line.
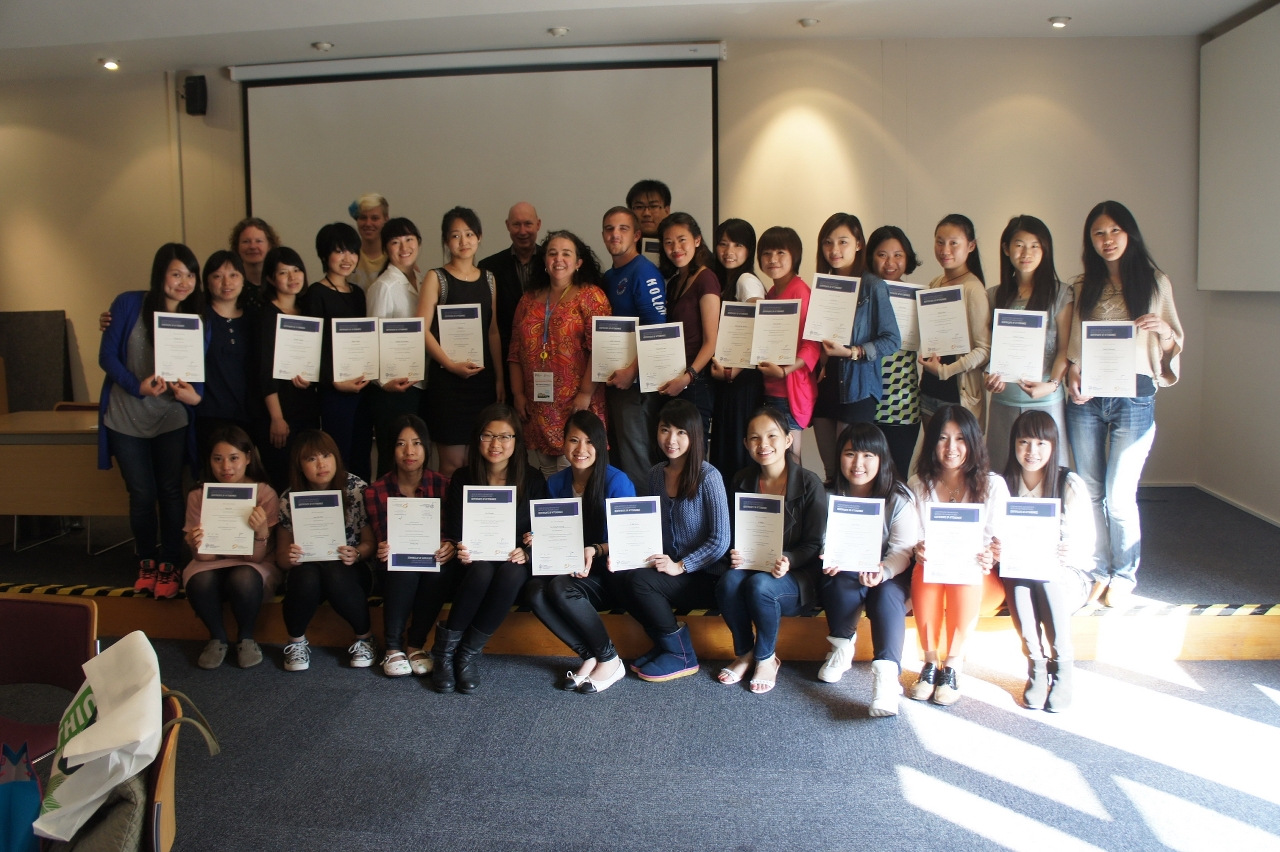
790	388
550	353
693	298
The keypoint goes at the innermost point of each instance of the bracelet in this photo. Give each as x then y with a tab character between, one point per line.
255	538
692	374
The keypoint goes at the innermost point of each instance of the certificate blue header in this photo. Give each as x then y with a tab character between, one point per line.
316	501
1021	320
939	297
191	324
760	504
617	326
292	324
230	492
773	309
669	332
956	514
844	507
744	311
355	326
645	507
489	496
555	510
902	291
1109	332
1022	509
403	326
838	285
464	312
413	560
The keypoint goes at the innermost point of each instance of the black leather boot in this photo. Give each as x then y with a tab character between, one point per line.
1062	691
442	658
467	662
1037	689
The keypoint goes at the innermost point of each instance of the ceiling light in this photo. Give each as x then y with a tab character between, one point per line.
557	32
808	22
1059	21
322	46
109	64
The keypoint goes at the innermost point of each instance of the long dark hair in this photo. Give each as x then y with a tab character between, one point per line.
1044	281
974	261
738	231
419	426
682	414
238	438
892	232
154	300
977	463
312	442
518	462
277	257
397	227
593	495
588	273
867	438
216	261
847	220
1137	269
1039	425
702	256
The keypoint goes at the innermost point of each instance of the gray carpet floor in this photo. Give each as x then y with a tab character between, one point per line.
338	759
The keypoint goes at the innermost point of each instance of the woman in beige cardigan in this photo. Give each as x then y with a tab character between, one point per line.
958	379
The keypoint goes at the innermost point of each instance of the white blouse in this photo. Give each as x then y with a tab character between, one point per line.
997	494
393	296
1079	535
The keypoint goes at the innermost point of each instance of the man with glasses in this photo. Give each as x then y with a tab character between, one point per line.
650	200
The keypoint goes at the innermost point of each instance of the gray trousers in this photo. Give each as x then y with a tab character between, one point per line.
1047	606
633	420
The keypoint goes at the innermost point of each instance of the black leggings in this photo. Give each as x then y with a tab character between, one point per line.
570	608
485	595
421	592
345	587
650	595
902	444
239	584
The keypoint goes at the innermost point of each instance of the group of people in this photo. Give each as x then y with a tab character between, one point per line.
531	416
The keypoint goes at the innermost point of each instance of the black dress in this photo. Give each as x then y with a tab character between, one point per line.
300	406
453	403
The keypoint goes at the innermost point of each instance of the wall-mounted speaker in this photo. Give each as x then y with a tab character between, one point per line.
196	94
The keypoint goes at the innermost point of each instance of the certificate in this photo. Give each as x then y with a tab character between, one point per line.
1017	345
855	534
635	531
733	340
952	542
224	517
613	345
489	521
319	526
355	349
777	331
1029	530
660	351
651	247
179	347
402	350
757	530
297	351
902	298
944	326
557	536
1108	353
831	307
413	532
461	333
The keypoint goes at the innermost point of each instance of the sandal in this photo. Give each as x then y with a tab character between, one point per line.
395	664
729	677
759	686
420	662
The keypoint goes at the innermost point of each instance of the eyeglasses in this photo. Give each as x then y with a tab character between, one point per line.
657	205
489	438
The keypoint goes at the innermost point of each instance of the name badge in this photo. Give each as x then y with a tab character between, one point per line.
544	387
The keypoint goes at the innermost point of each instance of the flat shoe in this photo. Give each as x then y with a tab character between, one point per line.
395	664
420	662
213	654
728	676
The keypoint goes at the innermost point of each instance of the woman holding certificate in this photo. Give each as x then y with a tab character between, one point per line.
693	298
570	604
147	422
957	378
953	468
293	405
867	474
316	465
463	381
695	535
1111	434
738	391
421	591
496	457
242	579
850	385
891	256
754	601
789	387
230	395
1028	282
550	353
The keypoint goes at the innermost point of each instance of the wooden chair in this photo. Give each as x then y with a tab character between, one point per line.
161	827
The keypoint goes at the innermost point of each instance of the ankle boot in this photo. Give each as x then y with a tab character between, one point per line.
1037	688
1061	692
676	659
442	652
650	655
467	662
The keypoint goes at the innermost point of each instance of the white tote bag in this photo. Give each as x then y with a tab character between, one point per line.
109	733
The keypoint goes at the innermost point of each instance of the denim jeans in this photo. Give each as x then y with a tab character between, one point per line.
759	598
152	471
1110	439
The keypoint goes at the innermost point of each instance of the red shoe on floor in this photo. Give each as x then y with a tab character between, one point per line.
146	581
166	582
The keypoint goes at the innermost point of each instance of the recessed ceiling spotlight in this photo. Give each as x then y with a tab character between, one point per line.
808	22
557	32
109	64
322	46
1059	21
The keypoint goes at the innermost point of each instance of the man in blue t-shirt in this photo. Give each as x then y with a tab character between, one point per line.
635	289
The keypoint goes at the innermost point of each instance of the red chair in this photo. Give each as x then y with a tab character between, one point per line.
44	640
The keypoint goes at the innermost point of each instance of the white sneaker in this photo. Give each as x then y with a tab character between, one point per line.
839	659
885	688
362	653
297	656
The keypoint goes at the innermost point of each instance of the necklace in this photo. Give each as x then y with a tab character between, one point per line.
953	493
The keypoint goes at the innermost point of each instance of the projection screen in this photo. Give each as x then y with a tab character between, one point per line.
570	141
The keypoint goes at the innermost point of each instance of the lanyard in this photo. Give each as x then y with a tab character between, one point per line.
546	320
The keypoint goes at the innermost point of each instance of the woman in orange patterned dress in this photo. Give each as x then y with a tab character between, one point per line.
550	353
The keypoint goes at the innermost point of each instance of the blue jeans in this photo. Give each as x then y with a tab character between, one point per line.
1110	439
758	597
152	471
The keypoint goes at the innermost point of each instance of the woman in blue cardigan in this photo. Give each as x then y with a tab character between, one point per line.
695	535
148	422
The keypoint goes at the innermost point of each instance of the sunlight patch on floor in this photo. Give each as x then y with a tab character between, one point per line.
1273	694
1187	827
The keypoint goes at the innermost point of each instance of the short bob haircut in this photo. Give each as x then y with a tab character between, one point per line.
892	232
786	239
977	463
273	239
155	298
238	438
644	187
394	229
682	414
277	257
336	237
1039	425
316	442
216	261
843	220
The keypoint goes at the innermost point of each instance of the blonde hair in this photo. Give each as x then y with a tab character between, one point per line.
368	201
